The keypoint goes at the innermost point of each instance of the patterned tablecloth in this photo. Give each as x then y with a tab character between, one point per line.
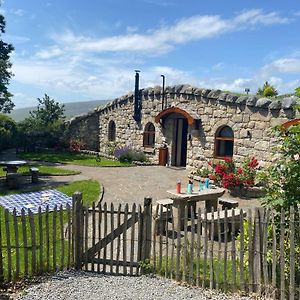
34	200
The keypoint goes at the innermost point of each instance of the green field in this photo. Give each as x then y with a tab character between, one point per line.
50	251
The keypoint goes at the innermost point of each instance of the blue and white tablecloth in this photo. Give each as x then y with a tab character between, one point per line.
34	200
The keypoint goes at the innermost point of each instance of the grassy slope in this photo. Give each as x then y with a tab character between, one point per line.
72	158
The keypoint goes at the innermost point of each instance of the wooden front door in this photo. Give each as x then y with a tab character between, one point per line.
179	142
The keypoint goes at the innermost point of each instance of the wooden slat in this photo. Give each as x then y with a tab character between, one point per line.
160	243
112	236
233	252
33	242
24	235
47	238
186	245
140	230
257	250
178	245
218	271
115	262
167	244
41	241
242	251
225	249
118	240
100	219
211	256
86	236
265	251
17	244
198	254
62	237
155	230
292	253
192	247
205	249
8	246
125	240
250	251
132	252
105	235
54	215
274	256
93	213
282	263
172	244
69	237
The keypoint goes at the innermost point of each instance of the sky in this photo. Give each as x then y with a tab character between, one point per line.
88	50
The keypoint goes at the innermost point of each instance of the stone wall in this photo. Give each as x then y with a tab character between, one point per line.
84	128
250	119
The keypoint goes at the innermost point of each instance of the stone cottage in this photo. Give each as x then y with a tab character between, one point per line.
195	125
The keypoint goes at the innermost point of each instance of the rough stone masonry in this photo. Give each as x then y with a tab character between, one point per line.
250	119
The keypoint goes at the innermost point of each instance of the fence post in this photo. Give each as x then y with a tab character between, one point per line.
146	232
78	229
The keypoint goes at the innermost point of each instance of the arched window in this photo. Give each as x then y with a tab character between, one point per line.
224	142
111	131
149	136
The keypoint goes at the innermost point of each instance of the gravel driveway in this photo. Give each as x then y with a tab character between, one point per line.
84	286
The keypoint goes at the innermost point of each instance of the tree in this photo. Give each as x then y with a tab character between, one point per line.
297	91
48	111
44	127
267	90
8	131
6	104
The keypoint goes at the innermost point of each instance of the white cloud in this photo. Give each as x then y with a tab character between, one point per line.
165	38
283	65
18	12
49	53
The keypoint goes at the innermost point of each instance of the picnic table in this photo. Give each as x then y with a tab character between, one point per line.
180	201
12	165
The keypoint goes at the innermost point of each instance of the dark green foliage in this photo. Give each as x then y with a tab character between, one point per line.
8	132
6	104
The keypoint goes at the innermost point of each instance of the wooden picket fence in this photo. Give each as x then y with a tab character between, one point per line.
255	251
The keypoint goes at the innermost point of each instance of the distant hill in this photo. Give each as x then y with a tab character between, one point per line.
71	109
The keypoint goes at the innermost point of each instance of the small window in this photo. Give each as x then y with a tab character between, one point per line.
149	136
224	142
111	131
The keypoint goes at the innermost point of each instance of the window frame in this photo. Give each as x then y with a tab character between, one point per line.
217	141
148	135
111	135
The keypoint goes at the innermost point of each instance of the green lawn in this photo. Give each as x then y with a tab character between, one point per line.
43	170
72	158
90	190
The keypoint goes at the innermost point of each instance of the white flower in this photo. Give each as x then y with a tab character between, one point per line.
296	156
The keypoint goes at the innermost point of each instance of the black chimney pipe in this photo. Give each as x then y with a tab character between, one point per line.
137	102
163	104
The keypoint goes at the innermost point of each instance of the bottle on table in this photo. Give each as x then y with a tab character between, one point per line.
178	187
190	187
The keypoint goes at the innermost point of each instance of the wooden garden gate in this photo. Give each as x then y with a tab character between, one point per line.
112	240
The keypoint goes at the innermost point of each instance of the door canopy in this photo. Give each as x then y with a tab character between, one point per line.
290	123
191	117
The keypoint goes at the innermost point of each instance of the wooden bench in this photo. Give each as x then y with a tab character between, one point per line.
161	214
34	174
228	203
13	180
230	219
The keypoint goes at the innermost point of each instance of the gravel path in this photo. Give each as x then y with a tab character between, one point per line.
80	285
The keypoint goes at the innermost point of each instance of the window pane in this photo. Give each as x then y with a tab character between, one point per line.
226	131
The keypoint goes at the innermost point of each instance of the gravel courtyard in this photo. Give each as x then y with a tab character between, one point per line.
80	285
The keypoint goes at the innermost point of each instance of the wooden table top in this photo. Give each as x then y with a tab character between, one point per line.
196	195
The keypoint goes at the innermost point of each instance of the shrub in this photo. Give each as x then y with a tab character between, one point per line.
128	155
76	145
229	176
